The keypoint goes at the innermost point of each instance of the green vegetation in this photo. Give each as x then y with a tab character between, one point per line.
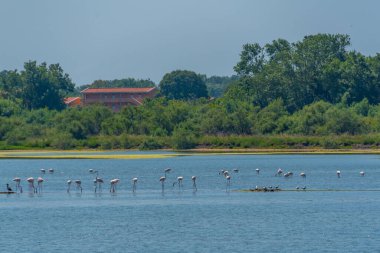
37	86
217	85
317	68
183	84
310	94
221	123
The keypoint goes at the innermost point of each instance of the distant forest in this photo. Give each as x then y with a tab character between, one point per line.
312	93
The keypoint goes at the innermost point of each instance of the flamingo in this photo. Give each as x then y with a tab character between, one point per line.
228	182
43	171
288	174
194	178
167	170
338	173
30	180
279	172
221	172
362	173
162	180
180	179
134	182
257	171
98	183
114	182
17	180
226	173
68	185
79	184
40	180
302	174
51	170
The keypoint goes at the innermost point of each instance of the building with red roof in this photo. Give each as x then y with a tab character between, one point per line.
72	101
116	98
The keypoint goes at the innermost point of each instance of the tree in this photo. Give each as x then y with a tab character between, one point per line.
10	84
44	86
266	120
183	85
217	85
319	67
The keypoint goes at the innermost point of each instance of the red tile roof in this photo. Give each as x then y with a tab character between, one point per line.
70	100
118	90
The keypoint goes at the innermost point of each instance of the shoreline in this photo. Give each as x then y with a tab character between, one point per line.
289	151
168	153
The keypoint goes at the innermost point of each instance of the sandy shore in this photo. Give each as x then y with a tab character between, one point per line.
285	151
100	154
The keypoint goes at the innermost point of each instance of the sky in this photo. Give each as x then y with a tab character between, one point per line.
113	39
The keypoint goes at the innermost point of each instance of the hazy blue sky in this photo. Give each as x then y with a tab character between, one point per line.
108	39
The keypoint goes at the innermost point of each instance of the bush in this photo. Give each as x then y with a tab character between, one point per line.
62	141
183	139
150	144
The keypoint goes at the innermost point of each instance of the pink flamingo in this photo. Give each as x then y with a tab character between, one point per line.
30	180
17	180
228	183
40	180
79	185
180	179
162	180
98	183
68	185
279	172
168	170
114	182
194	178
134	182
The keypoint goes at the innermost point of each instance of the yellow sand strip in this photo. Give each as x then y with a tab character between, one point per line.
85	156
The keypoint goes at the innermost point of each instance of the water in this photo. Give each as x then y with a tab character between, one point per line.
210	220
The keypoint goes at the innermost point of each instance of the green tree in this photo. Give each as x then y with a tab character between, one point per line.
217	85
44	86
183	84
266	121
10	85
319	67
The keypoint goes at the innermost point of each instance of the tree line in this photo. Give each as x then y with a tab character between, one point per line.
311	93
319	67
162	122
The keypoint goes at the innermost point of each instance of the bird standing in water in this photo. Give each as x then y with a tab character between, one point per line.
194	178
134	182
9	189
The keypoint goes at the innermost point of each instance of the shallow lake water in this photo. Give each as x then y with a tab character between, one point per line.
212	219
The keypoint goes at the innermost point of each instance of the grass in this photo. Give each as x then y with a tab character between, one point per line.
93	147
78	155
98	154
